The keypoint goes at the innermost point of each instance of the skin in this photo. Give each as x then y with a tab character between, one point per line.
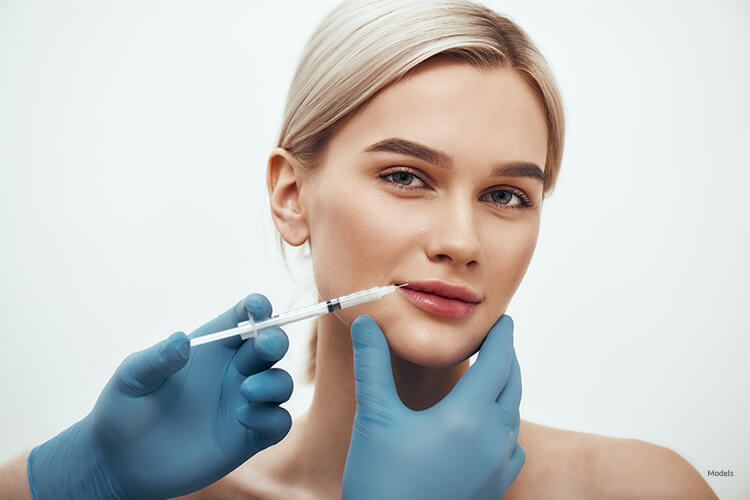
448	229
454	232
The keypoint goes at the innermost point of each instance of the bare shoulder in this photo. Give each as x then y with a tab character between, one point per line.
554	466
563	464
631	468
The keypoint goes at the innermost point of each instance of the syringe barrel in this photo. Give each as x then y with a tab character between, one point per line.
283	319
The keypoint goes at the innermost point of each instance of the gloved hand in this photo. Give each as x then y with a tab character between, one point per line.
463	447
172	420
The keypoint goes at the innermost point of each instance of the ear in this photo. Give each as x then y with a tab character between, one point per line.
283	179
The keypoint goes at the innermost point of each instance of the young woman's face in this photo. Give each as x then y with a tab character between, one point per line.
406	192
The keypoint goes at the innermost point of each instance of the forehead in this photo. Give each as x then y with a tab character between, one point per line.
476	115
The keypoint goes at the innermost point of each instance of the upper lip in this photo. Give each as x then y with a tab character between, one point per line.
444	289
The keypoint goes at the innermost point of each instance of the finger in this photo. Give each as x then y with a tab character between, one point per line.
256	304
273	386
510	397
485	379
143	372
374	383
261	352
271	421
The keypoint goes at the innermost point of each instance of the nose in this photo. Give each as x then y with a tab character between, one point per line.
453	235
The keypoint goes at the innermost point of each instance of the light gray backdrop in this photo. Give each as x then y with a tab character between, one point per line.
133	145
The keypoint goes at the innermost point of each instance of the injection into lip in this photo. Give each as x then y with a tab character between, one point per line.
249	328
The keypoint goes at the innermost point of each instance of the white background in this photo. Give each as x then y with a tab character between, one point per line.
133	146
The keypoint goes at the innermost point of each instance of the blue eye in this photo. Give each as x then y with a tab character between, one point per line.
402	178
503	200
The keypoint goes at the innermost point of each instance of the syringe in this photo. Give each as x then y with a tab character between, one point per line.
247	329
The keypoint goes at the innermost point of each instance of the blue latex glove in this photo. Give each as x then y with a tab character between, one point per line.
463	447
171	421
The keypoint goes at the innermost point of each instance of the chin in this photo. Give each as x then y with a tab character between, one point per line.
427	350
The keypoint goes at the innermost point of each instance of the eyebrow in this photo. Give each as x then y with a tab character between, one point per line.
441	159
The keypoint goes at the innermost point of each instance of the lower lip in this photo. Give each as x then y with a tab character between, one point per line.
440	306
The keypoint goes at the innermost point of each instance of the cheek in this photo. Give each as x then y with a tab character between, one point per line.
516	247
356	236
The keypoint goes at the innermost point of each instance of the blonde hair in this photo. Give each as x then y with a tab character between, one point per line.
362	46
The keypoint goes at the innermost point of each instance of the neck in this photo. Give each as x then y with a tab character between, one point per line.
326	428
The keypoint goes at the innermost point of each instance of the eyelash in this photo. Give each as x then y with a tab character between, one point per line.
525	202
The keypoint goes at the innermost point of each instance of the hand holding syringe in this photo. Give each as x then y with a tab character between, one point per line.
249	328
167	402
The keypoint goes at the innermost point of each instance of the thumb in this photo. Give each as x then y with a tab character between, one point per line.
486	378
372	366
144	371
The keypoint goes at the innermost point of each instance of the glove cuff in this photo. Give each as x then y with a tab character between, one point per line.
68	467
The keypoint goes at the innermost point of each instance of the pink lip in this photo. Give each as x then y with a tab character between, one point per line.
444	289
440	298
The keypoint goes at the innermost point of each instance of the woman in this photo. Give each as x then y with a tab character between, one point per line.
418	144
397	121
